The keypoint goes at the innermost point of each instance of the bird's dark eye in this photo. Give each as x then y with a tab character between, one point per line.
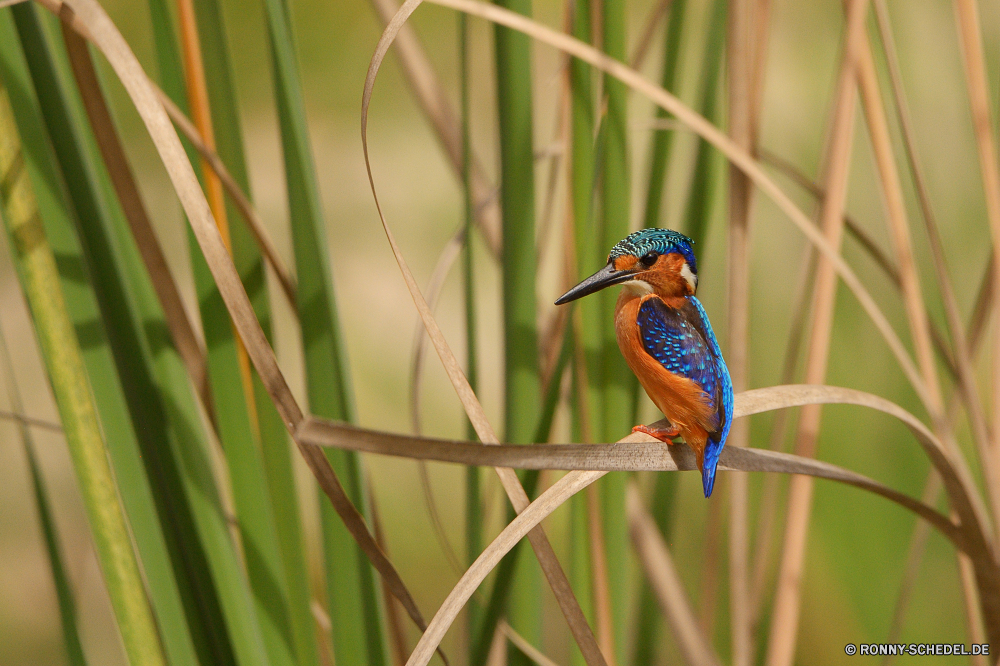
649	259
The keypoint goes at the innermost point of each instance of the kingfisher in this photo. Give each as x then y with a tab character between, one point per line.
665	336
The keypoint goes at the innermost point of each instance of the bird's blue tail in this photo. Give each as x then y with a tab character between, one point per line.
708	468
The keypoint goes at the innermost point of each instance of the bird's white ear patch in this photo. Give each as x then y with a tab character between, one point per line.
691	278
638	287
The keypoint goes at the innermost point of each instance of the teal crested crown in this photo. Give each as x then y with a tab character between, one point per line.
660	241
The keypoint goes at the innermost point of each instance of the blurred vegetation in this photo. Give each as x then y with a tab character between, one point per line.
291	136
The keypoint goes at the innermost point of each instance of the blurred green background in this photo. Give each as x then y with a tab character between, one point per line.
858	543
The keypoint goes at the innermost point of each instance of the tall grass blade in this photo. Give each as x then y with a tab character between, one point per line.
473	502
358	633
741	61
618	384
700	198
659	153
665	484
68	375
512	486
251	432
522	383
584	319
970	39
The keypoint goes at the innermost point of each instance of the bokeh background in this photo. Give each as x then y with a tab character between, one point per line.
858	543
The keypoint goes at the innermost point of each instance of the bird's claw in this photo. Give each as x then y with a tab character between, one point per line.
662	434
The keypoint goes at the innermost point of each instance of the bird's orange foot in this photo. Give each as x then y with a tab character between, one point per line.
662	434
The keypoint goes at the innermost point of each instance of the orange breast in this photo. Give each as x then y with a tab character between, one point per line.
680	399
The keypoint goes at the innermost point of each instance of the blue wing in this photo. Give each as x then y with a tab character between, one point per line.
682	341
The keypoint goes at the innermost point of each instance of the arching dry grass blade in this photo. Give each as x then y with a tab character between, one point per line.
666	582
91	21
641	453
519	499
435	104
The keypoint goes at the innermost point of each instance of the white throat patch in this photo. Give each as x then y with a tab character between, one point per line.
638	287
691	278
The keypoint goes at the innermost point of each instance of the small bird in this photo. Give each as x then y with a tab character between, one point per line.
667	340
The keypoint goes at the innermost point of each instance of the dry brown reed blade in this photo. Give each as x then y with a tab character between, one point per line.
90	20
539	542
962	365
970	39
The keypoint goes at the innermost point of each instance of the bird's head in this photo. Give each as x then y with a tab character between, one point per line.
658	261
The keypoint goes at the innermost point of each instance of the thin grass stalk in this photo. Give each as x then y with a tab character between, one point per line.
700	200
662	139
60	580
695	646
618	385
150	538
768	512
648	623
582	256
785	616
892	191
473	500
78	413
970	40
740	63
522	382
603	618
514	99
358	636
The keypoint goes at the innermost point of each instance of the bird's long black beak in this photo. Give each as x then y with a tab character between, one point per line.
605	277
